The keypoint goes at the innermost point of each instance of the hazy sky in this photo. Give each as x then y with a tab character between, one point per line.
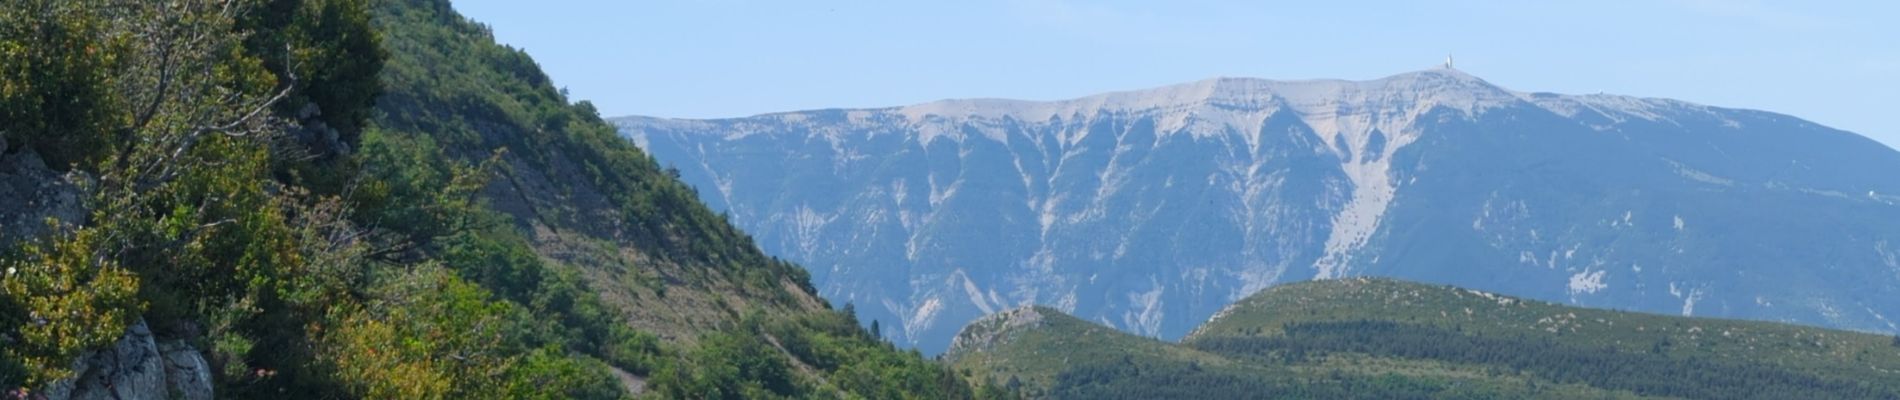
1833	62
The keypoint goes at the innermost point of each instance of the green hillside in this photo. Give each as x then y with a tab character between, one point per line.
1377	338
373	199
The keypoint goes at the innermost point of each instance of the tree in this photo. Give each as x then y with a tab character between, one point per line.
877	332
336	56
176	125
156	102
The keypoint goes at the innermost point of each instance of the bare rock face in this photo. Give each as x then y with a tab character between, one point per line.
186	371
137	368
31	193
130	369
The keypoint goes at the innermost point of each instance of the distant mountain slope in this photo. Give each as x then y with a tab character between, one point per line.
1377	338
1149	210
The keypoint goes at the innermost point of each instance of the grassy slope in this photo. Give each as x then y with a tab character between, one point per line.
1216	359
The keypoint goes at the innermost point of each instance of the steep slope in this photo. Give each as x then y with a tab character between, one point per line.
1148	210
732	322
1378	338
581	195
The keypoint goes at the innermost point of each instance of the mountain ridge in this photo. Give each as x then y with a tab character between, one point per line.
1224	87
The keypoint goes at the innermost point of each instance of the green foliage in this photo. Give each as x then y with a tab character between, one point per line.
334	53
387	267
761	357
58	300
732	365
450	90
1375	338
1646	374
497	258
550	374
441	337
409	194
166	125
421	202
1165	380
57	59
858	363
447	79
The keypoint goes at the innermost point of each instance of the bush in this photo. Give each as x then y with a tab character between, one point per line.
58	301
56	94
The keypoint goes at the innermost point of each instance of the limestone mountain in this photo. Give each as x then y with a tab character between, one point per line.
1149	210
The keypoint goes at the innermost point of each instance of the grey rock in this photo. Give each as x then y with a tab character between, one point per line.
186	371
31	193
995	329
137	368
132	369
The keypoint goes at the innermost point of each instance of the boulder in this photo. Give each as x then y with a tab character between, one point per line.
137	368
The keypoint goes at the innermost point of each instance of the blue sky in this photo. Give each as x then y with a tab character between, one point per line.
1833	62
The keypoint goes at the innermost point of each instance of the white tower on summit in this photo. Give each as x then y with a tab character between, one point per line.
1448	61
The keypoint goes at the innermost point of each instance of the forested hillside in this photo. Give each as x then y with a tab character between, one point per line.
368	199
1375	338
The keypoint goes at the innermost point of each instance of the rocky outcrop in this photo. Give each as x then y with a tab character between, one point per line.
135	367
186	372
986	333
318	138
138	368
31	193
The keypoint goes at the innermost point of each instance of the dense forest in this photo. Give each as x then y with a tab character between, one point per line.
1384	339
372	199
